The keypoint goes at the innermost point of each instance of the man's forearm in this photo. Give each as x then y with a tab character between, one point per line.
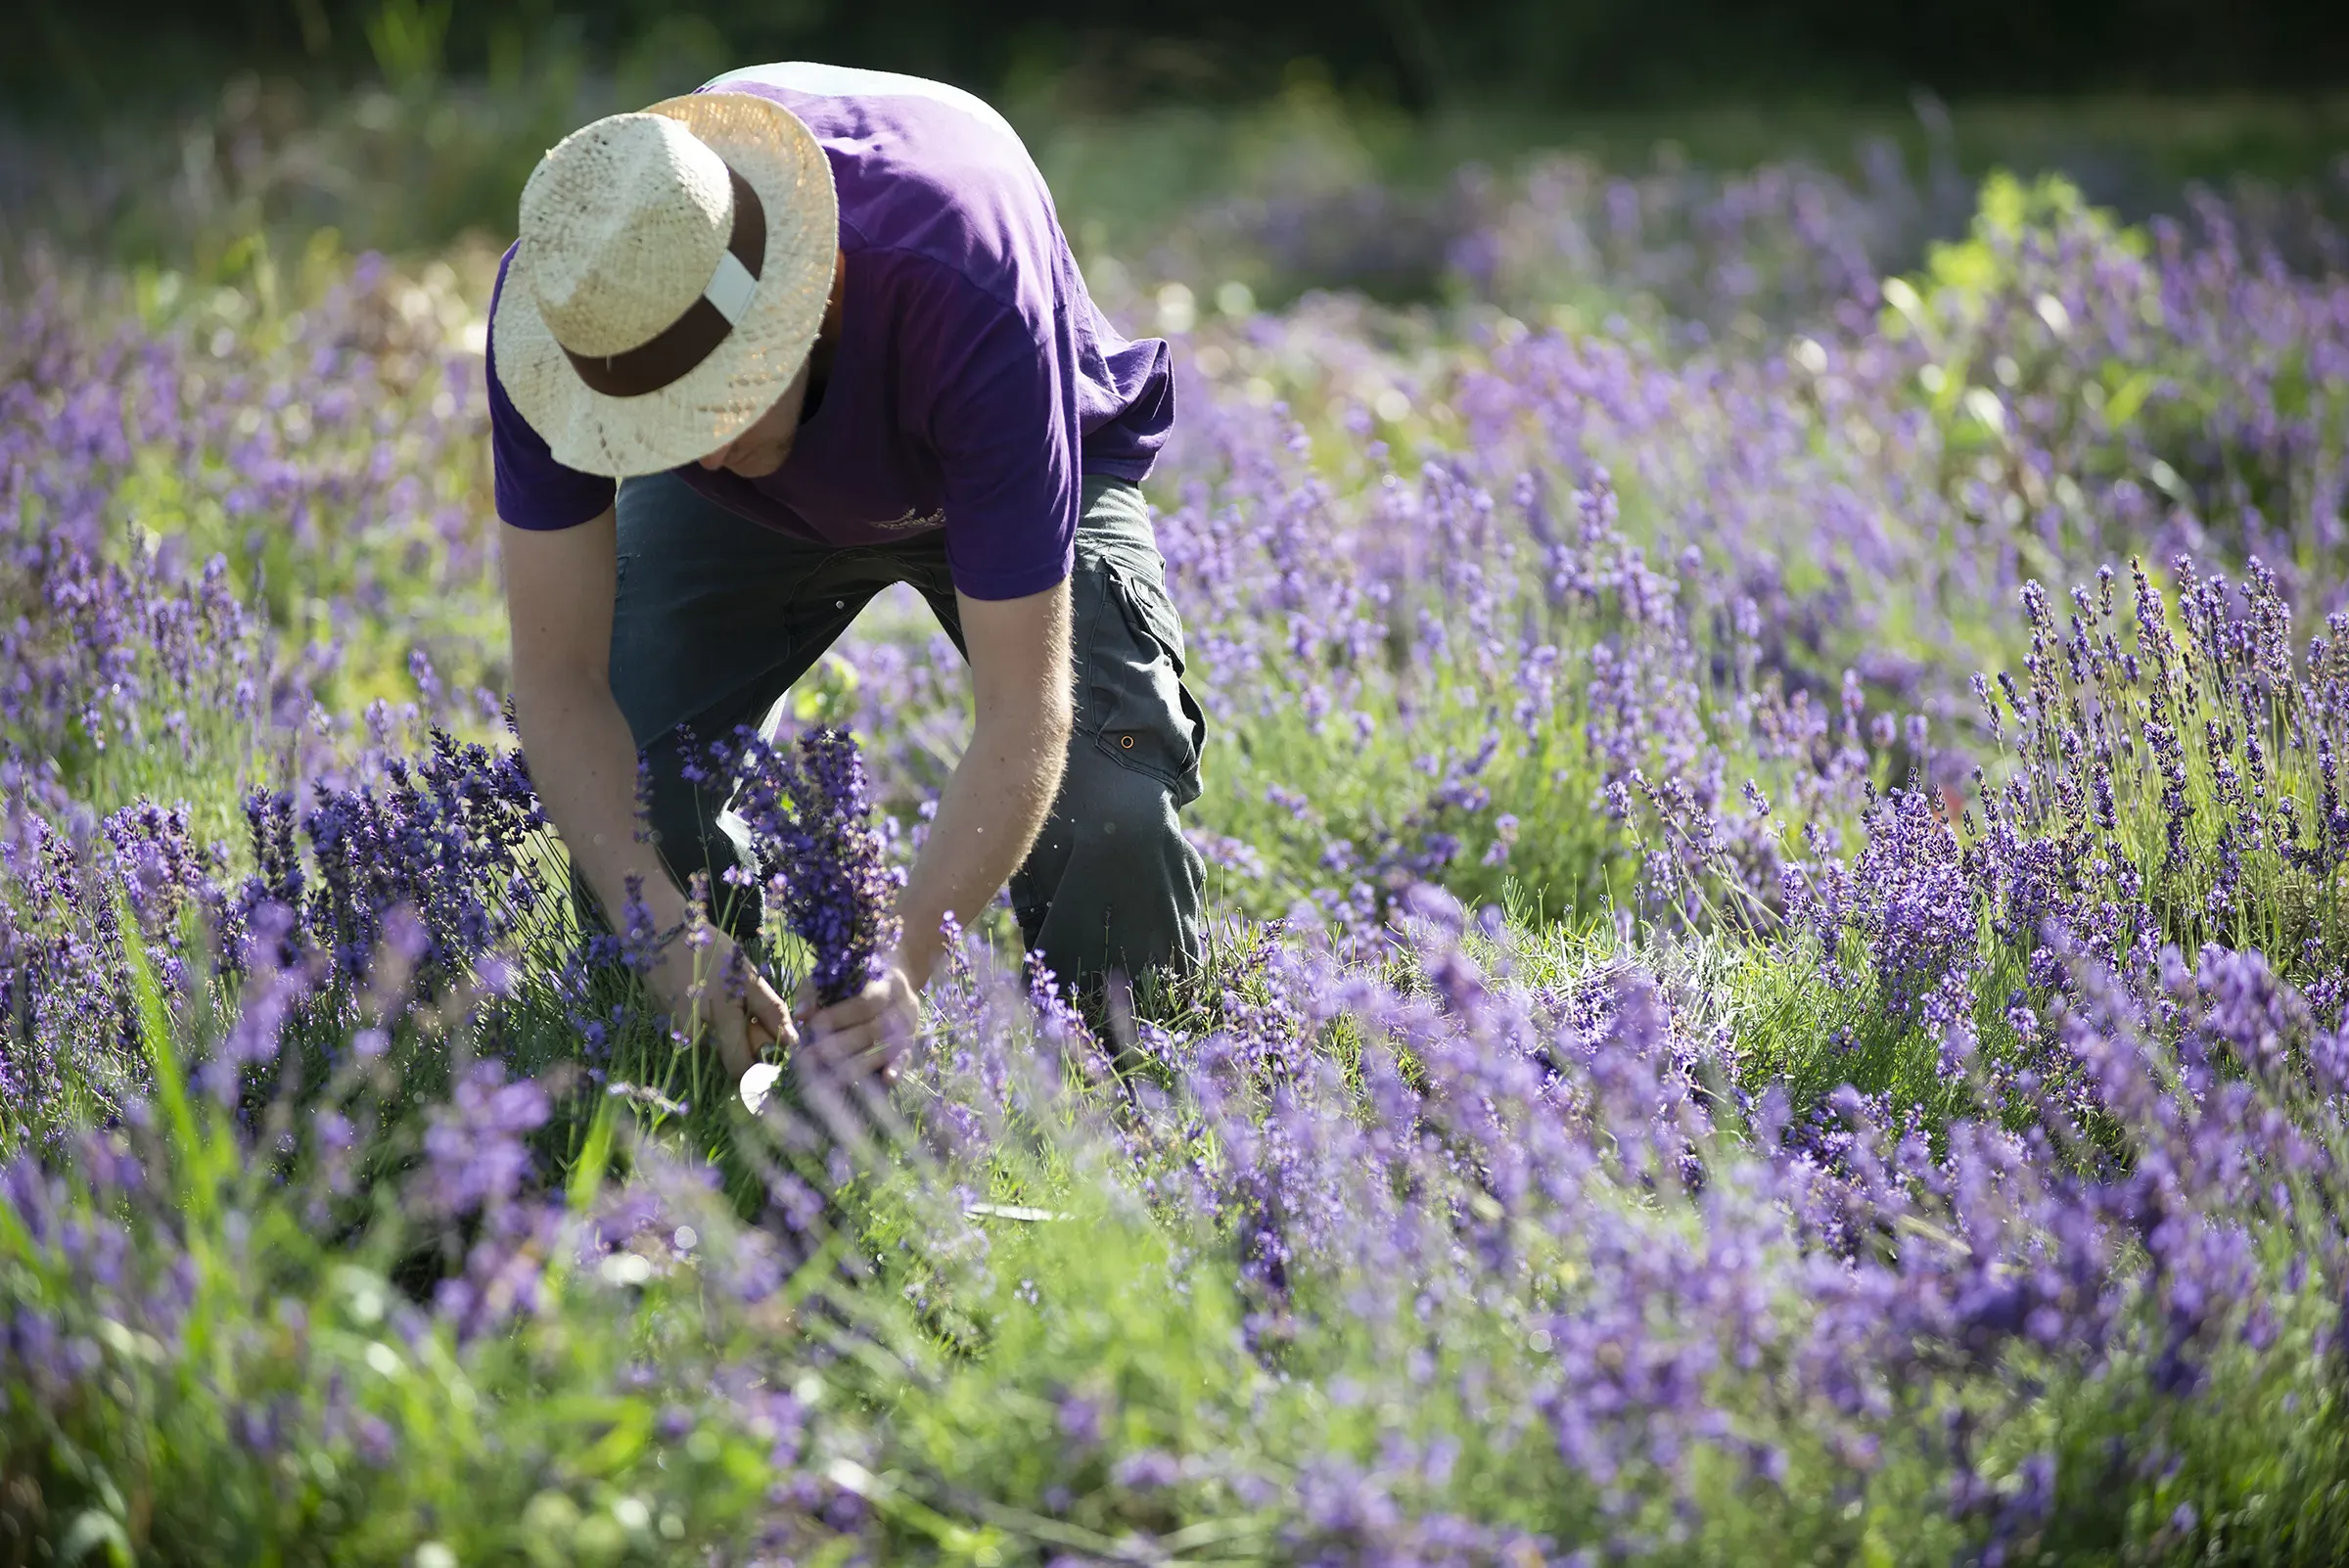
583	762
988	819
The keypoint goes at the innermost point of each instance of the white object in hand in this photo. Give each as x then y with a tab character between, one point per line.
757	1082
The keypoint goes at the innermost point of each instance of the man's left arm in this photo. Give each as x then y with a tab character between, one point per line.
987	816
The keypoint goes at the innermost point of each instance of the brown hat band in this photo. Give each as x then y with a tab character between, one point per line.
689	340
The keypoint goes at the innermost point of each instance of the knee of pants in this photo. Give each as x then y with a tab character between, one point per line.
1116	813
1114	884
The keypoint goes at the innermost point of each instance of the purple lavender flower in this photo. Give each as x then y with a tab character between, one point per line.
473	1150
810	820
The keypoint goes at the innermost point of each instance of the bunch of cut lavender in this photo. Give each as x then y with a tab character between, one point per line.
811	820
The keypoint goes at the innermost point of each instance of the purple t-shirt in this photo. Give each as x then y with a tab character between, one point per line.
974	383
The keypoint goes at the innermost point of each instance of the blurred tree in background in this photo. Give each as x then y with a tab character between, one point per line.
1310	143
1420	53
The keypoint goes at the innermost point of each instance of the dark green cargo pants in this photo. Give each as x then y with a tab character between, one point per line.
716	616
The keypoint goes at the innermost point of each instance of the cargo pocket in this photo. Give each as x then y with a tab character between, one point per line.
1149	720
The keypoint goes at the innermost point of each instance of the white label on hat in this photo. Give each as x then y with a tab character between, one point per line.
730	287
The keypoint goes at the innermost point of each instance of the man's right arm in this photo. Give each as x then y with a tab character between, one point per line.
560	585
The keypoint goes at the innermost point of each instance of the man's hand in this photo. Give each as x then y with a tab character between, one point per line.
867	1033
558	595
738	1026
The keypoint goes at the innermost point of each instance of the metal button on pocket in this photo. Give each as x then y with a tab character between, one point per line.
1125	741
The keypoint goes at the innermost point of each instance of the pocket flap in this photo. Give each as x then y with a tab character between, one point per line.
1150	612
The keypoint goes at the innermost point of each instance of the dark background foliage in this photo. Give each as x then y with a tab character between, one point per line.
1416	53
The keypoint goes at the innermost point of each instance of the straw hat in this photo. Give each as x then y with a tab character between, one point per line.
671	274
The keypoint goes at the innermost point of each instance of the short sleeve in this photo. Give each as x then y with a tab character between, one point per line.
533	491
1002	419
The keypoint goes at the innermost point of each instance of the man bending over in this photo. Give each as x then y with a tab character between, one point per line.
823	330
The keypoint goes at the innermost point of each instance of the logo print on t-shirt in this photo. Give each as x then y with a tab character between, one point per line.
915	519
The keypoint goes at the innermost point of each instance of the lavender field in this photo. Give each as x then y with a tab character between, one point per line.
1781	895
